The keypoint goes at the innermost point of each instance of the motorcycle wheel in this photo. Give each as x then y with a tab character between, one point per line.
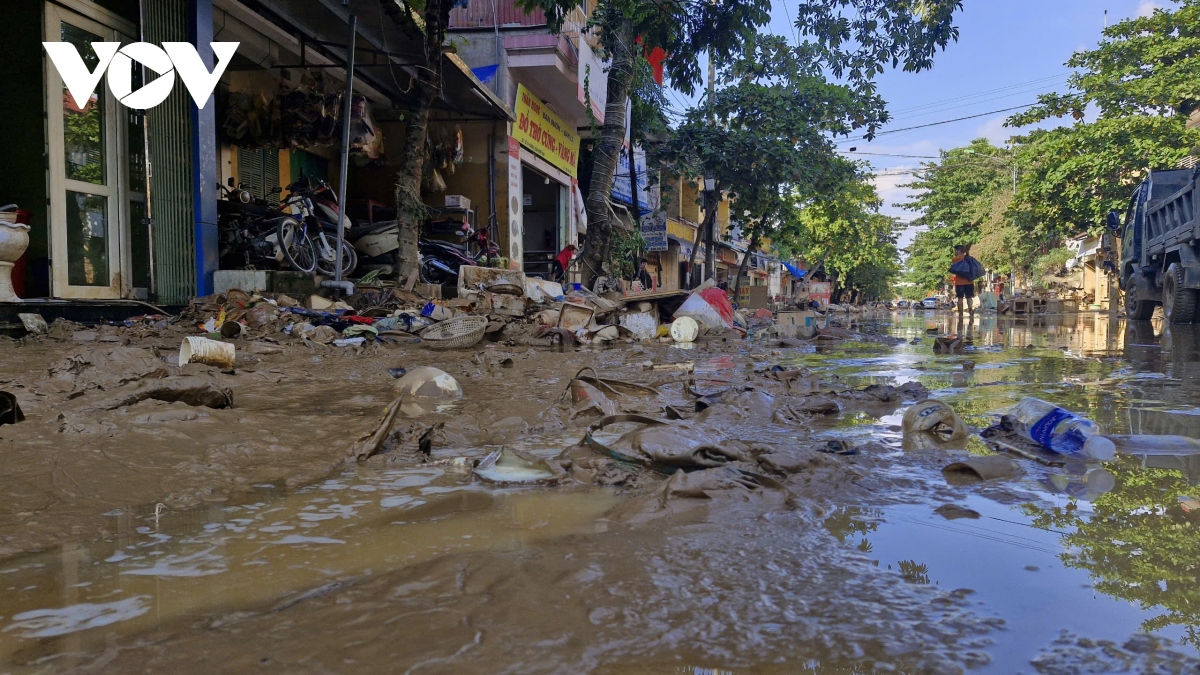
349	258
297	249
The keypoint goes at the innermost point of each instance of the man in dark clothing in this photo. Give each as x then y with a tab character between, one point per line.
644	276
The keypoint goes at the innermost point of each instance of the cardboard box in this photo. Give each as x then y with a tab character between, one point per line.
457	202
753	297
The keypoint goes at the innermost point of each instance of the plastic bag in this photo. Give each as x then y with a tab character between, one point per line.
710	308
968	268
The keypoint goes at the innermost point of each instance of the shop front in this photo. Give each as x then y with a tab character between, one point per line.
128	203
545	205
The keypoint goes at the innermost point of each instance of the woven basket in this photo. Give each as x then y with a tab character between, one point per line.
457	333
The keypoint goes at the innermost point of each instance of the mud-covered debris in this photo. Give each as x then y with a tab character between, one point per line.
513	467
429	383
192	390
195	349
10	411
976	469
678	445
934	417
106	368
34	323
589	400
371	443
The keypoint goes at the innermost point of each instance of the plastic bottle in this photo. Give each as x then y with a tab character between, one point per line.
1146	444
1062	431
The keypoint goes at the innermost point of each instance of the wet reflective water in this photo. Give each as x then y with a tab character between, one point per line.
855	580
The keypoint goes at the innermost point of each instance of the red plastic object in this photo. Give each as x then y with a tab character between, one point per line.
720	302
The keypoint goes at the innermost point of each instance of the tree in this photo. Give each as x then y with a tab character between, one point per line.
426	21
1142	80
852	38
844	232
956	196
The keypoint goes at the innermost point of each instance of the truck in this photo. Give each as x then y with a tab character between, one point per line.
1159	263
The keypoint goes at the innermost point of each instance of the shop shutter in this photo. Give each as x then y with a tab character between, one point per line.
258	172
169	126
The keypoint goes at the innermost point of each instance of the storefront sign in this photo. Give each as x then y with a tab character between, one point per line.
516	248
654	231
545	133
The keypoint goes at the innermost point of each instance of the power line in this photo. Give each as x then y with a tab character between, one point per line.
941	109
965	97
884	154
934	124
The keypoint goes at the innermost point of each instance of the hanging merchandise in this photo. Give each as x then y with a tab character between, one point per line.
458	146
366	139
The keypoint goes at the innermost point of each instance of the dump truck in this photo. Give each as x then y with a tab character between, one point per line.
1160	246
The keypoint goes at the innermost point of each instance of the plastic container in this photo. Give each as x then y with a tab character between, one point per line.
684	329
1062	431
1147	444
206	351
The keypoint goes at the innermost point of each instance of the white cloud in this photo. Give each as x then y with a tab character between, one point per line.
1147	7
995	131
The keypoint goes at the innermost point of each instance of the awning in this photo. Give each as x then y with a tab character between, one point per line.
792	270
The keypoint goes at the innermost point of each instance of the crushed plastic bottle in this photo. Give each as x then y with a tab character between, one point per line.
1062	431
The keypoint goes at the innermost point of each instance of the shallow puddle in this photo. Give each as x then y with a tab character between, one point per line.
1055	550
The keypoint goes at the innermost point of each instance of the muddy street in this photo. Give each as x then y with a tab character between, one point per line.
808	533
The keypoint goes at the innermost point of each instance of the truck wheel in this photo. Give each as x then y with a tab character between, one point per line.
1137	309
1179	303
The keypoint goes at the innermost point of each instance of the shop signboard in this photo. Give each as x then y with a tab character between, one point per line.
545	133
654	231
821	291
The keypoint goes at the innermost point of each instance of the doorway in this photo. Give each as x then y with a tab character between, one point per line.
90	167
545	224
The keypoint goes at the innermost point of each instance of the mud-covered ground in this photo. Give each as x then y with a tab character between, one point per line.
138	535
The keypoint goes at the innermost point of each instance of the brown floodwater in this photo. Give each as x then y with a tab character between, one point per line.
398	567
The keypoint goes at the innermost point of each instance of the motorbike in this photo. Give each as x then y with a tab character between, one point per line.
253	235
317	210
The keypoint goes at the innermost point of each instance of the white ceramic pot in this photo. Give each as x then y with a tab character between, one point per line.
14	239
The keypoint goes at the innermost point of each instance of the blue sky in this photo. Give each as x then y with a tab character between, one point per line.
1008	52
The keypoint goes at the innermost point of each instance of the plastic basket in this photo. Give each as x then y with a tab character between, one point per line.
457	333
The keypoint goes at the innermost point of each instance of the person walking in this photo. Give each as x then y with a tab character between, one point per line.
964	286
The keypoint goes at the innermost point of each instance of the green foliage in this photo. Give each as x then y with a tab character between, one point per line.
1142	78
847	232
1051	262
627	247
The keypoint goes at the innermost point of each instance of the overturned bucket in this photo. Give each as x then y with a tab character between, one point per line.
206	351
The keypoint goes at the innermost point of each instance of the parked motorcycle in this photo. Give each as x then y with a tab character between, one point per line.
253	235
317	210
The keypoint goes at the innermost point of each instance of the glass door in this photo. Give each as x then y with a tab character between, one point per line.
88	185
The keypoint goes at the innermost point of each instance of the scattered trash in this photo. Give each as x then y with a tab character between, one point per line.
684	329
231	330
684	366
643	325
209	352
513	467
457	333
588	399
10	411
954	512
613	387
949	344
932	416
709	306
837	448
370	443
34	323
349	342
397	373
983	468
429	383
574	318
1060	430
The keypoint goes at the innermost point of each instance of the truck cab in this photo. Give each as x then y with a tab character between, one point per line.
1160	258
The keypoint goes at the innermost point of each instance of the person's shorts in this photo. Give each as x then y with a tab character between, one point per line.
965	291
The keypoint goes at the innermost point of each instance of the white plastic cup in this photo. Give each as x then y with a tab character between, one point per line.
206	351
684	329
